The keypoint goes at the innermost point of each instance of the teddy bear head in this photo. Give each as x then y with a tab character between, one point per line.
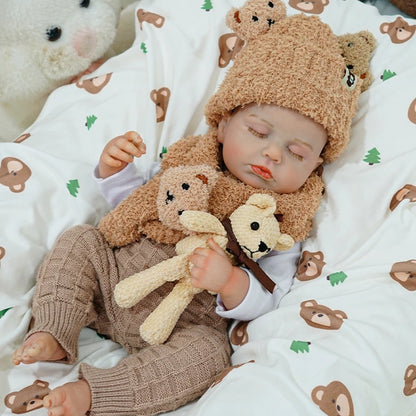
27	399
255	17
357	49
45	43
184	188
257	229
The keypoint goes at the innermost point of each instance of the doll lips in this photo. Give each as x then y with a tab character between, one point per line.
261	171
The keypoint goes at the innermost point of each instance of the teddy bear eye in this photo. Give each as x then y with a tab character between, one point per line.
185	186
254	18
85	3
254	225
270	4
53	33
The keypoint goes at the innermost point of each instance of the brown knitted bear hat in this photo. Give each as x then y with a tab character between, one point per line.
293	62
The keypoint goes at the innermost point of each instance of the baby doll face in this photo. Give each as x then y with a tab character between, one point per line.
271	147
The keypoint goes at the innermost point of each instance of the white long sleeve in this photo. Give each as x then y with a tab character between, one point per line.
116	187
281	267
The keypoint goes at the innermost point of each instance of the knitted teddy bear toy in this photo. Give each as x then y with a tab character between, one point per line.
43	45
251	232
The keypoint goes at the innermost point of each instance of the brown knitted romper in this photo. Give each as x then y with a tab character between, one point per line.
74	289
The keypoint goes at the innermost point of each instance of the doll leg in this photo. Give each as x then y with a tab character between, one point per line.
65	289
160	378
157	378
75	285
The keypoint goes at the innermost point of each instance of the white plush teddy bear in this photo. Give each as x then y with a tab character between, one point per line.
251	232
44	44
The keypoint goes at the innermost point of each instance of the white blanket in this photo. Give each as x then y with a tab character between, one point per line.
345	335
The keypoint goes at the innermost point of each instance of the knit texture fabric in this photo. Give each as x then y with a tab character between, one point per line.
75	289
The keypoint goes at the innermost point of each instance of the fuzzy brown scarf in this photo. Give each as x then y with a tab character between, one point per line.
137	215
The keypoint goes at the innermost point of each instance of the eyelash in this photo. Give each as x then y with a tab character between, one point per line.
262	136
296	156
256	133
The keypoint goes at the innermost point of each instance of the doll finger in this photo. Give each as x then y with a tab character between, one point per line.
212	244
142	147
133	136
110	161
132	149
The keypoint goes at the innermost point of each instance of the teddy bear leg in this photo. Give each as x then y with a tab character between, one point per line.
160	323
134	288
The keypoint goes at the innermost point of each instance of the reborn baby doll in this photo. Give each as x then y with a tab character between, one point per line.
284	107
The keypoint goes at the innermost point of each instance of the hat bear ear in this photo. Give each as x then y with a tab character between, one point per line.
255	17
357	50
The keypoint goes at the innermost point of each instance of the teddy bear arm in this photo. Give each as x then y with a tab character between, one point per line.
160	323
201	222
124	234
157	231
121	225
134	288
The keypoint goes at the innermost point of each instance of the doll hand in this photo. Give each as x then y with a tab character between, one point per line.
119	152
213	271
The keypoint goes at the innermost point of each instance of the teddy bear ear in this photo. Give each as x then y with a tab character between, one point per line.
357	50
255	17
208	176
264	202
285	242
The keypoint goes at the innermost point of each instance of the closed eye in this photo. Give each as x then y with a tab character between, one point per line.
299	150
295	155
257	133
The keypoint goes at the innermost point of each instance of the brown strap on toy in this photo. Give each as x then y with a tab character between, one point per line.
234	248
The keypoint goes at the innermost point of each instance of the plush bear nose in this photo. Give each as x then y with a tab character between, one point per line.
169	197
263	247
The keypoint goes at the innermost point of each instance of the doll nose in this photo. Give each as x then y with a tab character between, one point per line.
274	152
